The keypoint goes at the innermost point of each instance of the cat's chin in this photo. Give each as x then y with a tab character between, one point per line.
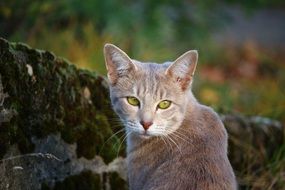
145	135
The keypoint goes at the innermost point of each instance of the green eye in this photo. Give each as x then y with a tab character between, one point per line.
133	101
164	104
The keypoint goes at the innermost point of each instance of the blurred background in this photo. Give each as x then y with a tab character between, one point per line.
241	44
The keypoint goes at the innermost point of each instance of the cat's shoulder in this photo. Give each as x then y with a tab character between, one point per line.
209	115
212	123
208	112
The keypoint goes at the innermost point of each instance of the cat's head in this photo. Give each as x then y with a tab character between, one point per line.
150	98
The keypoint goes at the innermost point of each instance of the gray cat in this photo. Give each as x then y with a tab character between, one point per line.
173	142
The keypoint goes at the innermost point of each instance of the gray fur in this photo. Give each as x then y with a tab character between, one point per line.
186	146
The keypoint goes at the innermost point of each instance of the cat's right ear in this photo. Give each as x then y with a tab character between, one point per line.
117	62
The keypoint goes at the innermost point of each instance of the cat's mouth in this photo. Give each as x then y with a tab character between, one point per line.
145	135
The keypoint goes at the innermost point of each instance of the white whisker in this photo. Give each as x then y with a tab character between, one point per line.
172	140
167	140
162	137
182	136
121	130
122	142
178	136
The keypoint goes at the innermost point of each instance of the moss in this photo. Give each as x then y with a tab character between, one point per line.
52	101
45	186
116	182
4	139
83	181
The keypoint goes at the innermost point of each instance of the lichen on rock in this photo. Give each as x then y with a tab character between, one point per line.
5	114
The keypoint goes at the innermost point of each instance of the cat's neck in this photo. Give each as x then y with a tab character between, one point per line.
192	103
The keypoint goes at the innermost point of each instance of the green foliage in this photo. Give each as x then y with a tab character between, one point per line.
163	23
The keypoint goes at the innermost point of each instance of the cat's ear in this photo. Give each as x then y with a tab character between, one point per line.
182	69
117	63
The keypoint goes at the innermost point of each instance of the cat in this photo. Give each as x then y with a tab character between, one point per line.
173	142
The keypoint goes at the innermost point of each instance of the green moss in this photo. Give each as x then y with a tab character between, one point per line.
45	186
52	101
116	182
83	181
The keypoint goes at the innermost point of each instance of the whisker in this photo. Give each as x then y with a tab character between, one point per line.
122	142
162	137
184	130
178	136
167	140
182	136
115	145
121	130
177	132
174	143
119	143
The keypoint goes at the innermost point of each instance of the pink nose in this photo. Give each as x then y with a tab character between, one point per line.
146	125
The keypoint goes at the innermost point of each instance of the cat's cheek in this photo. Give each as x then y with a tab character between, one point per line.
168	113
132	110
172	123
130	113
125	108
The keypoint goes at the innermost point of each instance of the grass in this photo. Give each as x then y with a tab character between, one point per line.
268	175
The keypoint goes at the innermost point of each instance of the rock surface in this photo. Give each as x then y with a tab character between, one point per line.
58	118
56	123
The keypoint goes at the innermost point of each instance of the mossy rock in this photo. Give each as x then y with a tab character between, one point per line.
43	95
85	180
51	96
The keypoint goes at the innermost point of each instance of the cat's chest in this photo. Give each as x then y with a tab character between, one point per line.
143	165
150	156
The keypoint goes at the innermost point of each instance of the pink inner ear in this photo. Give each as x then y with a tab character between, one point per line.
113	77
184	82
178	79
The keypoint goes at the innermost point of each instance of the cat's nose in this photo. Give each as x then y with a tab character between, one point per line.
146	125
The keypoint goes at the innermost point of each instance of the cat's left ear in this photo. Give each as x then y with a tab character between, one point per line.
182	69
